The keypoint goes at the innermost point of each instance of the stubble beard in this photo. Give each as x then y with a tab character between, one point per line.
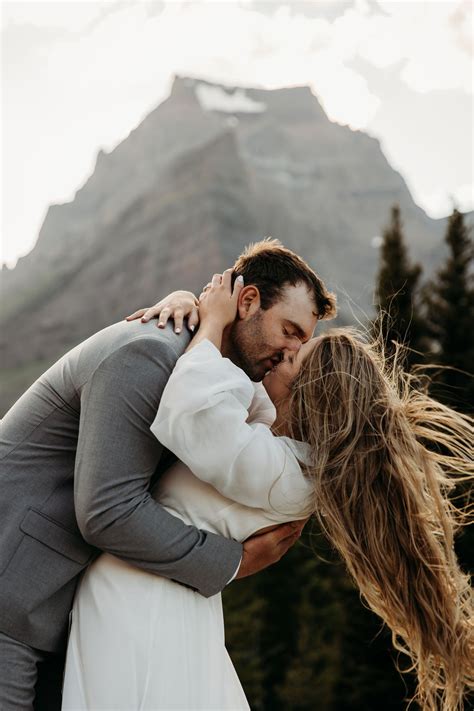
247	342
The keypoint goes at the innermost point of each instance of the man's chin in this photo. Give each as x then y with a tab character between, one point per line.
254	372
258	374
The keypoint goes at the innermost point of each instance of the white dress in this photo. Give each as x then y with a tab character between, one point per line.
139	641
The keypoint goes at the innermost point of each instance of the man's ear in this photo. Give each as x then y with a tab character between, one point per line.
249	302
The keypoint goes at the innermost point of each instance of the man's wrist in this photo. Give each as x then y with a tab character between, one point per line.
236	572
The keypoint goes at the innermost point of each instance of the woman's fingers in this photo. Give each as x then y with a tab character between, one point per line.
204	291
164	316
226	283
151	312
136	314
193	319
178	320
178	305
227	279
238	286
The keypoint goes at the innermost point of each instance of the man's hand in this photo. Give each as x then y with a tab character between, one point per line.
264	549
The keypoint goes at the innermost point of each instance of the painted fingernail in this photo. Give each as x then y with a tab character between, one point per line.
177	330
192	327
240	278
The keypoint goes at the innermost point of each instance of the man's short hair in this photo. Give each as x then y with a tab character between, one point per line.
271	267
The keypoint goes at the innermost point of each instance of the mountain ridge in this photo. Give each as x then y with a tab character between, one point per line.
207	171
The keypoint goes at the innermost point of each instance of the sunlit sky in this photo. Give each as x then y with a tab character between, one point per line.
79	76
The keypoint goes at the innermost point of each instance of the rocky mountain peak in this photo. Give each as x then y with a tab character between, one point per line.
295	103
211	169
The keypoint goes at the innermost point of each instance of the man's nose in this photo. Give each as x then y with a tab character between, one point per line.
293	346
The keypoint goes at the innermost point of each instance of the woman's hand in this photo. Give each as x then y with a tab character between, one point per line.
178	305
218	302
217	308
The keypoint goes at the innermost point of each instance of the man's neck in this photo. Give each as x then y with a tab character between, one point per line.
226	348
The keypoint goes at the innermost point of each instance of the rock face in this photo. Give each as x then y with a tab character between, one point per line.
211	169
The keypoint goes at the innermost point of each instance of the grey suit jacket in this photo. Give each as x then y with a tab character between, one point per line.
77	457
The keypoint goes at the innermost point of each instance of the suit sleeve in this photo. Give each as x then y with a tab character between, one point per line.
116	457
203	419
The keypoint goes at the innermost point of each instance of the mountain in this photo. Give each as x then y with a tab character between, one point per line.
211	169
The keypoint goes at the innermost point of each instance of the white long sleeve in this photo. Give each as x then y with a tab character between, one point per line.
203	419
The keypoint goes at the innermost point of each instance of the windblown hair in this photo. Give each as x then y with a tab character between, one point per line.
270	267
386	458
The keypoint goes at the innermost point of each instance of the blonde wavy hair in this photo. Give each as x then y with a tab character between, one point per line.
386	458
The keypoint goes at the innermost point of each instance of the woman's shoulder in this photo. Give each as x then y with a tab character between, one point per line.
261	408
301	450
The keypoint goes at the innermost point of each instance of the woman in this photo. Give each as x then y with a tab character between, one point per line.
373	462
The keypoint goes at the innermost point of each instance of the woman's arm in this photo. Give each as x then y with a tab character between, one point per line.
202	418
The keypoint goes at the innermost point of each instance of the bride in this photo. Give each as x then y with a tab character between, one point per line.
335	435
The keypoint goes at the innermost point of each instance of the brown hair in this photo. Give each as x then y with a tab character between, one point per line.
385	459
270	267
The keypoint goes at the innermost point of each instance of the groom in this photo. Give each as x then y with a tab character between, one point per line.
78	458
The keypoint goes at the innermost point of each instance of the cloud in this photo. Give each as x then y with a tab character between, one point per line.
439	203
88	73
67	14
461	22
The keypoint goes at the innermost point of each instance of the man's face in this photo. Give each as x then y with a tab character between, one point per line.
260	339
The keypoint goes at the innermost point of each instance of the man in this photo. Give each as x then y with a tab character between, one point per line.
78	458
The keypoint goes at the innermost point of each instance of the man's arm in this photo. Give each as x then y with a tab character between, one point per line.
116	457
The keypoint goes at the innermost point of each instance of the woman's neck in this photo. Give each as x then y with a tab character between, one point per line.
280	427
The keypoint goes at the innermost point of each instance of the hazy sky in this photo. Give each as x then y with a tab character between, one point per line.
78	76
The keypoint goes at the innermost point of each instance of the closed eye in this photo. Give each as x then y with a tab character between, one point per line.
296	332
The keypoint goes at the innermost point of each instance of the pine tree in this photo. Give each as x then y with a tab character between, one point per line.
281	586
344	658
313	673
449	302
244	610
396	288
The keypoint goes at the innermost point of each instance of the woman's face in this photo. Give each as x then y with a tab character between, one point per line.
279	379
